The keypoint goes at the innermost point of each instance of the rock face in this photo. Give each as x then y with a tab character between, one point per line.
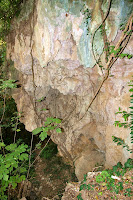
51	46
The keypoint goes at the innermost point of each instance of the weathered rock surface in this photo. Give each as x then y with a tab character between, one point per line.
52	54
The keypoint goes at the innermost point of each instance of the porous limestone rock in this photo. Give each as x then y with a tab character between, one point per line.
52	53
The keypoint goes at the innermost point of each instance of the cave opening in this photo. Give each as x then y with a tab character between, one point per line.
49	174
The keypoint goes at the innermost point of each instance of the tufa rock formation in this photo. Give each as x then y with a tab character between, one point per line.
54	45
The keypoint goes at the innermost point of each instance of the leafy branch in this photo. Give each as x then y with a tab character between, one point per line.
14	157
126	124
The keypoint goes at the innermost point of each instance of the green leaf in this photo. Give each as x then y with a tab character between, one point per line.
41	99
56	120
1	176
83	186
38	146
129	56
14	185
23	156
131	90
22	170
8	84
45	129
37	130
100	193
44	109
22	178
51	127
115	168
49	120
2	145
119	165
11	147
131	107
85	177
43	135
121	185
79	197
5	177
58	130
122	55
8	165
89	187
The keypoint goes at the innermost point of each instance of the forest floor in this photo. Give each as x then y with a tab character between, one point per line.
100	186
101	191
52	179
55	179
51	176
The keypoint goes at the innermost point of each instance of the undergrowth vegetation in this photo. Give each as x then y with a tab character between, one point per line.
128	122
113	180
8	10
16	158
50	151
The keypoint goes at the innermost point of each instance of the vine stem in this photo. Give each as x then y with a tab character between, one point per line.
32	137
107	13
16	130
40	152
113	59
32	151
32	67
93	36
25	160
4	107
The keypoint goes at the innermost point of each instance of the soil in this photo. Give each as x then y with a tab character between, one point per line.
51	177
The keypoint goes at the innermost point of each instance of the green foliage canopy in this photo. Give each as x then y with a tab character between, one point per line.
8	10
